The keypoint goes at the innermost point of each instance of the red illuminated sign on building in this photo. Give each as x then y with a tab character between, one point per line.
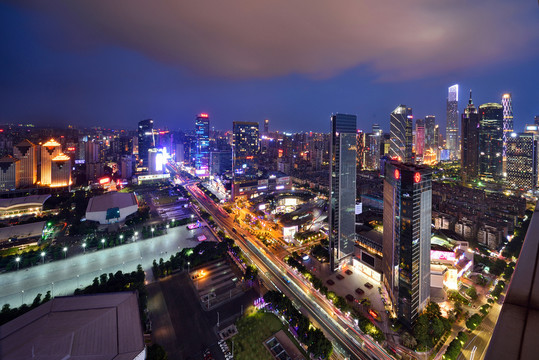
397	174
203	115
417	177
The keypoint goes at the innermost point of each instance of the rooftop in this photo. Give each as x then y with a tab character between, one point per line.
51	142
102	326
111	200
32	200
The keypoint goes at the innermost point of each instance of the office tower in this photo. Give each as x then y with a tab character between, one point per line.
469	153
146	140
246	147
452	130
401	121
406	238
522	161
202	155
342	184
491	142
376	129
419	137
220	162
507	103
126	166
49	151
9	173
536	120
61	170
25	151
430	139
266	127
374	149
155	161
362	152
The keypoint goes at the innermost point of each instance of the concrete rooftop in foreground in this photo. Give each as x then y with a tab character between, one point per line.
516	333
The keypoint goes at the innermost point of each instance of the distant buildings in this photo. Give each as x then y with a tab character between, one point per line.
470	127
401	122
61	171
146	140
452	130
342	182
491	142
25	151
202	155
407	234
522	161
420	137
507	103
431	142
49	151
9	173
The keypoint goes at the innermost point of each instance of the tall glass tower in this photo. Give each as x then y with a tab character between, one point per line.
146	140
507	103
406	241
522	161
469	153
491	142
342	183
430	139
400	123
452	129
202	155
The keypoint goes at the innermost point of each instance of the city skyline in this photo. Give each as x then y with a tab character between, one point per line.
87	75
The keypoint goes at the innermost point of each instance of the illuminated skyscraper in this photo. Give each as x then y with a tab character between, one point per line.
266	127
522	161
202	155
146	140
430	138
245	153
491	142
407	233
25	151
452	129
507	103
60	171
401	122
470	127
342	184
49	151
419	137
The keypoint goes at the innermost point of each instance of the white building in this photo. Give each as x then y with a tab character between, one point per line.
112	207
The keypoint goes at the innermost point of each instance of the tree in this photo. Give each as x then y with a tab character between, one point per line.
472	292
408	340
473	322
156	352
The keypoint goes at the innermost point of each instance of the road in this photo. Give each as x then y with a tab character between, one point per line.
337	327
62	277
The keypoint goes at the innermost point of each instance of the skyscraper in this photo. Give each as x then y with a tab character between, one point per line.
146	140
202	155
400	122
507	103
49	151
406	239
419	137
430	138
342	184
266	126
25	151
522	161
375	144
470	127
452	129
491	142
9	173
61	170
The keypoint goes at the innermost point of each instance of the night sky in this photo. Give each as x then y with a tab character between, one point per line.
113	63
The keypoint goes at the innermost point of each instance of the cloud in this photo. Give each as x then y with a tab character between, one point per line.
395	40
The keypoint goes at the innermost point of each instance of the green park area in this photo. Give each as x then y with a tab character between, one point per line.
253	329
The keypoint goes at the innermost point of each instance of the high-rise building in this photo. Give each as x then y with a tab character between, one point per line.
246	147
419	137
60	171
146	140
49	151
25	151
375	143
155	161
362	152
469	154
202	156
430	139
452	129
220	162
491	142
406	239
9	173
126	166
342	183
536	120
401	123
522	161
266	126
507	103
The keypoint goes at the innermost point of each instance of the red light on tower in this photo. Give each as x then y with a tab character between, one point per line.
203	115
397	174
417	177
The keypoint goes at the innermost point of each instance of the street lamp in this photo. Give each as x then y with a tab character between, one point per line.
22	297
18	260
136	235
65	252
43	256
121	238
52	289
152	231
188	263
84	247
103	243
192	216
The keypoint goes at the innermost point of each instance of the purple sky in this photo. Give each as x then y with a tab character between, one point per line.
113	63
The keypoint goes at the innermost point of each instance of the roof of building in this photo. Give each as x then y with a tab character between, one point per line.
51	142
25	142
23	231
111	200
8	159
101	326
25	201
61	157
515	334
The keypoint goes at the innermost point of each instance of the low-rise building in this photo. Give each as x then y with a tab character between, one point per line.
112	207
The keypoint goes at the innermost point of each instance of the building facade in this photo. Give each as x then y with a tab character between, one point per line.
406	238
522	161
491	142
146	140
25	151
49	151
469	157
401	123
419	137
507	103
61	171
342	183
430	139
202	155
452	129
9	173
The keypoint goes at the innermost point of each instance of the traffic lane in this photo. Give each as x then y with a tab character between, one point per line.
80	270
